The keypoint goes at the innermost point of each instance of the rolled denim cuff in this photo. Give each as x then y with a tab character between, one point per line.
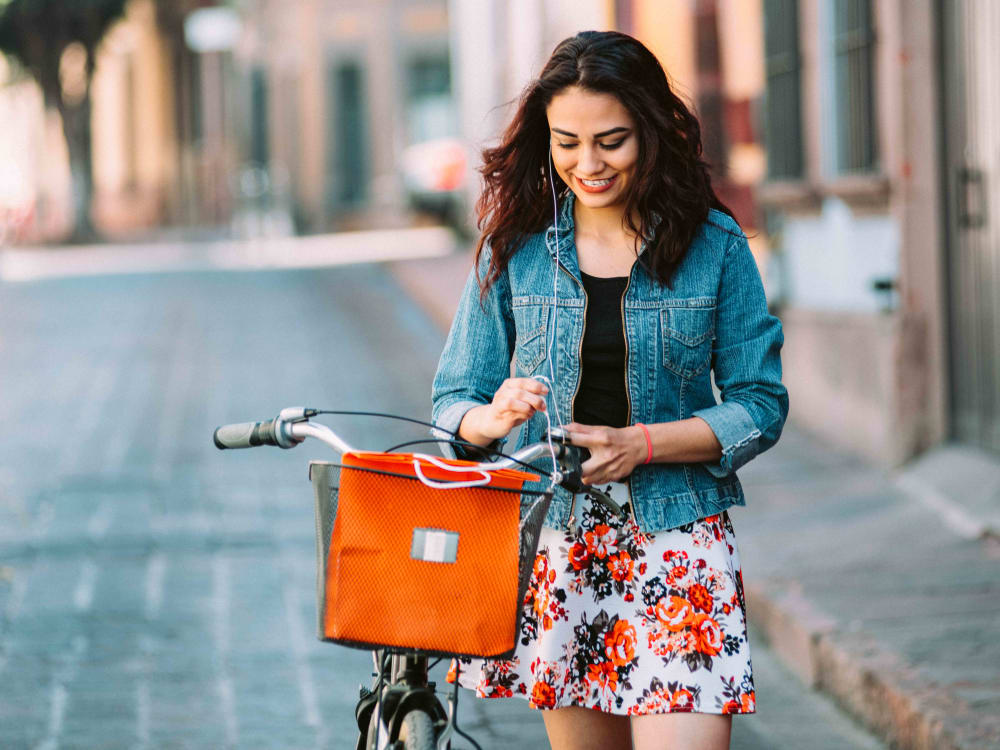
449	419
736	432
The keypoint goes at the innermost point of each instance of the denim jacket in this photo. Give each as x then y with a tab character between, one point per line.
714	320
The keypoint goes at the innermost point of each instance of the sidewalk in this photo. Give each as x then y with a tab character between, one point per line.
876	588
311	251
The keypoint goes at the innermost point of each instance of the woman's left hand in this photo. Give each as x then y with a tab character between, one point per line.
614	451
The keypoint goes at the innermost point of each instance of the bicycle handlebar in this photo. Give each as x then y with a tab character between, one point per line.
245	435
282	432
292	426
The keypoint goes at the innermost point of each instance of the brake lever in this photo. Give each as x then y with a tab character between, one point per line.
572	480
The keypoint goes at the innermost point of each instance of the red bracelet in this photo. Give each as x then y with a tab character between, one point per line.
649	443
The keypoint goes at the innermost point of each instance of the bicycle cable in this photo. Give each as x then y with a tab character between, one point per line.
386	655
456	441
483	451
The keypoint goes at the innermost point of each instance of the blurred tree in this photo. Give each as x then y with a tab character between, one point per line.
56	41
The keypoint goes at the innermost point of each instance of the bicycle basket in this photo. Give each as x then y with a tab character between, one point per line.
404	565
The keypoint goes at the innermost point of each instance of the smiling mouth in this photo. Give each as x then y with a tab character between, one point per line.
596	186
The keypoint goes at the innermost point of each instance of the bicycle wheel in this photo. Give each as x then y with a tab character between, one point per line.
417	732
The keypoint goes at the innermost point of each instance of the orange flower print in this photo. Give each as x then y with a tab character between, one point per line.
604	675
620	566
699	597
674	612
619	643
682	700
540	604
601	541
737	697
682	642
708	633
543	695
541	566
616	622
579	556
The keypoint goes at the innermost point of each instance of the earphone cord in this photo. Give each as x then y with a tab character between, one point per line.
549	381
550	354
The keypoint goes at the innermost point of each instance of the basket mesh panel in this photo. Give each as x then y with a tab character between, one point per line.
324	481
530	531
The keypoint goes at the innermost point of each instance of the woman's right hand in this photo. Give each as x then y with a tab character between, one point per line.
515	402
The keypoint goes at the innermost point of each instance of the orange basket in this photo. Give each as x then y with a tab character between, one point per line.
404	565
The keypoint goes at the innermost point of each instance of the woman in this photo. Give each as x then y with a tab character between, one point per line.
624	300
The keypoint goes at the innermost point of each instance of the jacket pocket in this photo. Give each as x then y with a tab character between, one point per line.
687	328
530	321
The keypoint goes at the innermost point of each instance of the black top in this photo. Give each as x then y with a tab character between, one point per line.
601	399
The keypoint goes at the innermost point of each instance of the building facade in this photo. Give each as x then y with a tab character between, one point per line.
881	153
337	90
855	140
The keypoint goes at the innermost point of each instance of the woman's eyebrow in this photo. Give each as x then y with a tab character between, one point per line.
596	135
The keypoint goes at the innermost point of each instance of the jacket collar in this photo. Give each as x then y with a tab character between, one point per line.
566	226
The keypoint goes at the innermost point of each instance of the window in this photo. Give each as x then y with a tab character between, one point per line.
783	119
430	109
347	141
853	68
258	117
430	76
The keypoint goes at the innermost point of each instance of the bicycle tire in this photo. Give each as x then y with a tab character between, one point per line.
417	731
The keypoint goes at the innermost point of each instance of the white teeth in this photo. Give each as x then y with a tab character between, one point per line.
596	183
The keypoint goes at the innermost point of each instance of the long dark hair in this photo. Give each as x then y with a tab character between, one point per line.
672	191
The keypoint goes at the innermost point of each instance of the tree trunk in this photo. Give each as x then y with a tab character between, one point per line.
75	116
76	129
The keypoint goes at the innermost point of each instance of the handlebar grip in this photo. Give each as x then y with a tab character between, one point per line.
245	435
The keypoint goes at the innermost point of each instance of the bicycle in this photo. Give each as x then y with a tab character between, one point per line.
401	710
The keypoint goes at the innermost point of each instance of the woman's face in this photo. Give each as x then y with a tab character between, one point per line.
594	145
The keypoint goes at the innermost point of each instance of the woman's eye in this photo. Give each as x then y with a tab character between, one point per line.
605	146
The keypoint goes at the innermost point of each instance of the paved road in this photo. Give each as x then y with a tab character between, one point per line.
156	593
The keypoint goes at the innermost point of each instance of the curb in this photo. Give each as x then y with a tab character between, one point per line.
874	686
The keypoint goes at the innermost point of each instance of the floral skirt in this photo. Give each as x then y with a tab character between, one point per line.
629	623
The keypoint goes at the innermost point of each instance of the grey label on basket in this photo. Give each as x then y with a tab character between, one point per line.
434	545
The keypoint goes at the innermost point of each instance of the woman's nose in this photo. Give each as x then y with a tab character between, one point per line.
590	163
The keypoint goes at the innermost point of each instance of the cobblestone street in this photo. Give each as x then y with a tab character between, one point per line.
156	593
